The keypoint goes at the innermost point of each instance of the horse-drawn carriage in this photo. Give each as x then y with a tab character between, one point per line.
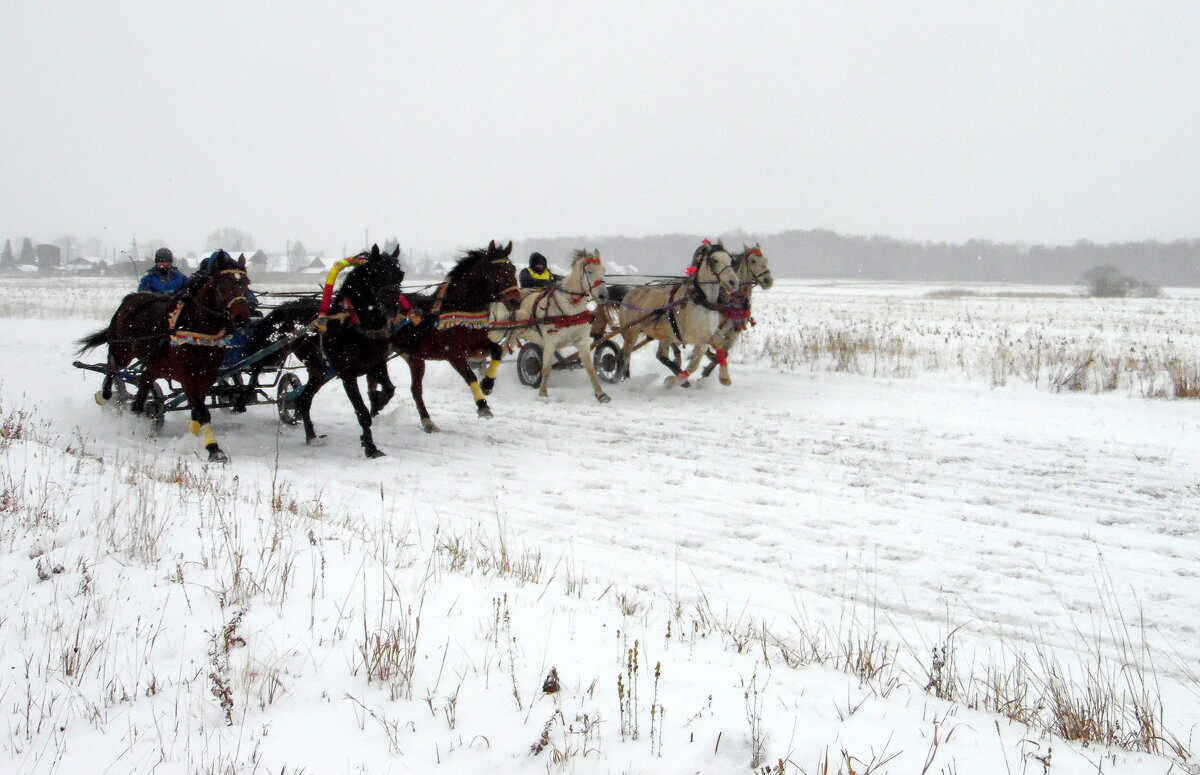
241	383
708	308
176	349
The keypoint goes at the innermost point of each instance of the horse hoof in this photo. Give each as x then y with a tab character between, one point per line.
726	381
603	398
100	399
685	384
375	452
486	384
429	426
485	413
217	456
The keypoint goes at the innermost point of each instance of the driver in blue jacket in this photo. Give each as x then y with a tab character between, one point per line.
163	277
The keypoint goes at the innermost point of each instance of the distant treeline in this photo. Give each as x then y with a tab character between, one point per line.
821	254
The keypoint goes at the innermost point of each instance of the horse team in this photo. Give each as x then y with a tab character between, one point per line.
472	314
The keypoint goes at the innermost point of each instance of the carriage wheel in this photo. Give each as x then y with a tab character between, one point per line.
285	399
155	408
529	364
607	358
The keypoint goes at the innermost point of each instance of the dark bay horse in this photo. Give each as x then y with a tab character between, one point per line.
180	337
354	340
454	327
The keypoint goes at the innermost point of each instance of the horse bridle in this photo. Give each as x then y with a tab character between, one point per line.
710	262
757	277
500	294
585	289
222	312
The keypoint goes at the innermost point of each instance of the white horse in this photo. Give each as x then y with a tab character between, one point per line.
557	316
752	270
681	313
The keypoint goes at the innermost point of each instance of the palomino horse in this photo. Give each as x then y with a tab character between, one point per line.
347	343
681	313
453	327
557	316
180	337
752	269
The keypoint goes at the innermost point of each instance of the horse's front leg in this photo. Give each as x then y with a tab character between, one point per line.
364	416
549	348
202	425
489	377
416	371
717	343
677	377
379	388
585	355
464	370
729	339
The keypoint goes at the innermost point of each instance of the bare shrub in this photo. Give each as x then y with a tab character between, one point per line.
1108	282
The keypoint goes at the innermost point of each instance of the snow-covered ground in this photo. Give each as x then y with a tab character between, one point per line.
895	478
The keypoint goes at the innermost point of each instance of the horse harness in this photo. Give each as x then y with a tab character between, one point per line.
183	337
462	318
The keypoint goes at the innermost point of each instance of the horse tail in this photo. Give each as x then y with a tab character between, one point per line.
92	340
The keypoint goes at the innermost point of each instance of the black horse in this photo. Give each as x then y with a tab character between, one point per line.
454	327
354	339
180	337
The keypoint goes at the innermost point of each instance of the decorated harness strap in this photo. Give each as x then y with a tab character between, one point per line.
464	319
219	339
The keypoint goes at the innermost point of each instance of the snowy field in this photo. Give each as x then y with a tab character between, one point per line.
940	530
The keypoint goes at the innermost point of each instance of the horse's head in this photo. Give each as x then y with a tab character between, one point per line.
714	270
373	287
502	275
590	271
482	277
752	268
228	287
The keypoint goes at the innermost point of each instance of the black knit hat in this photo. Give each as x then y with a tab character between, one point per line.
165	255
536	259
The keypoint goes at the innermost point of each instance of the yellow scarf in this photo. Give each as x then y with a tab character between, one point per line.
540	275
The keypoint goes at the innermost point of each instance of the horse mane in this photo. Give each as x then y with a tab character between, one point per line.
707	248
349	283
220	261
581	253
466	263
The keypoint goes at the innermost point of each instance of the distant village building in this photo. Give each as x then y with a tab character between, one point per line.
49	258
258	261
80	264
316	266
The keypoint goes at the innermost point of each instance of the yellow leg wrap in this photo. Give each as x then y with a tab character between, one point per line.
493	369
194	427
209	436
476	391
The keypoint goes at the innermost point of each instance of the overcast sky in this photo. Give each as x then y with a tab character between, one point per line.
447	124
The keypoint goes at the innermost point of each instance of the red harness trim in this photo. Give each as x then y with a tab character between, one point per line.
735	313
567	321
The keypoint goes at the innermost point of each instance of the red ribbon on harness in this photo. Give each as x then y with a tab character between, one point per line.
566	321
